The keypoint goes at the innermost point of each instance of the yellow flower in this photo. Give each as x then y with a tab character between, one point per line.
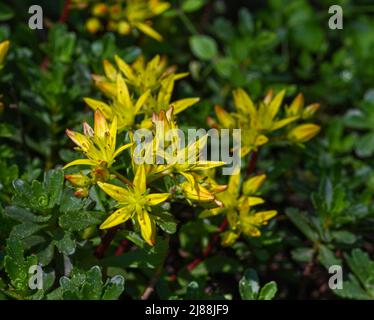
99	9
152	82
203	191
297	108
258	121
264	117
78	180
304	132
184	161
98	145
122	107
93	25
143	76
4	47
139	12
134	201
238	208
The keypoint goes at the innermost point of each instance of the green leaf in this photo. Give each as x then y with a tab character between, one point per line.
249	286
268	291
203	47
53	185
224	67
302	254
26	229
167	222
301	222
24	215
192	5
344	237
91	289
16	266
80	220
246	25
64	242
327	257
6	12
114	288
147	257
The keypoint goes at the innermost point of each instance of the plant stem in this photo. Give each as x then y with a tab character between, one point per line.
65	12
122	178
152	283
188	24
105	242
251	164
209	248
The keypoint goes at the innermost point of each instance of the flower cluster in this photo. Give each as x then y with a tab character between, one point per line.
124	17
151	85
145	88
258	121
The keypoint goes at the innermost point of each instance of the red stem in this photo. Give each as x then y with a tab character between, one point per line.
65	12
105	243
122	247
252	164
209	248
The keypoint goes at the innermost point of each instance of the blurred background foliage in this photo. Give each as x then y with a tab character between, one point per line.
324	191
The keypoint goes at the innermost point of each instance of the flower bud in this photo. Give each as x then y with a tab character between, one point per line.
78	180
304	132
93	25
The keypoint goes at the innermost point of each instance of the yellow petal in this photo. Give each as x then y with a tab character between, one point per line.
99	105
117	193
275	104
296	106
109	70
251	185
140	179
157	198
281	123
183	104
229	238
78	180
251	231
304	132
4	46
148	31
125	68
263	217
101	128
79	162
116	218
189	177
225	119
122	148
79	139
310	110
234	182
147	227
165	92
254	201
123	94
205	165
197	193
261	140
141	101
244	103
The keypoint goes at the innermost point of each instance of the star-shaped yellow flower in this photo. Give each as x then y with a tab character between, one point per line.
134	201
98	144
